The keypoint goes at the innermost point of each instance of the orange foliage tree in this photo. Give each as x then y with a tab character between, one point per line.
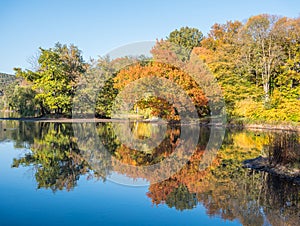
158	105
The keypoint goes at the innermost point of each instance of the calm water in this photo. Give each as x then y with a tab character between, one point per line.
111	174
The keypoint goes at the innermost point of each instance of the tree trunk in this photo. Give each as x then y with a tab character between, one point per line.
266	86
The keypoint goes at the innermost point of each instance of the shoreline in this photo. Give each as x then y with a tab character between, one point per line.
266	127
253	126
257	164
63	120
262	164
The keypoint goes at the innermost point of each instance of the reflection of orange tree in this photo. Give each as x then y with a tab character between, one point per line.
212	178
228	190
133	163
189	176
137	158
179	189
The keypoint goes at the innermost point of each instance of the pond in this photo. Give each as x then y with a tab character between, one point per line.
143	174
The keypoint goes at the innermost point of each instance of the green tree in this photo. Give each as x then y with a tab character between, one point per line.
22	100
56	79
185	39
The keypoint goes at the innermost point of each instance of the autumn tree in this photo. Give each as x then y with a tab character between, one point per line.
262	50
220	51
108	92
288	81
269	57
158	105
256	65
96	92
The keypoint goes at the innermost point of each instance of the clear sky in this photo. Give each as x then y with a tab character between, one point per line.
97	27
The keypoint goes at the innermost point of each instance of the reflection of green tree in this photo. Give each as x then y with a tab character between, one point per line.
97	144
26	132
56	158
6	129
108	137
181	198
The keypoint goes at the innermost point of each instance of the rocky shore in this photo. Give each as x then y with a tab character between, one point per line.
262	164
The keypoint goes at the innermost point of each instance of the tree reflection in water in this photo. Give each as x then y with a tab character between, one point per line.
225	188
55	158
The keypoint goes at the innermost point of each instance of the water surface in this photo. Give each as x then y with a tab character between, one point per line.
95	174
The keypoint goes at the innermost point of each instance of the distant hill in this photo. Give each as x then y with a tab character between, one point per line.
5	79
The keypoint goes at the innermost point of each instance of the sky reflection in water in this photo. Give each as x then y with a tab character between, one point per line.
49	187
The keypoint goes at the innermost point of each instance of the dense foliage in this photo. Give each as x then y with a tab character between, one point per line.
55	80
255	62
257	65
160	107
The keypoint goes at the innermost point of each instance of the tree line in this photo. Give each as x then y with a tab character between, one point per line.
256	63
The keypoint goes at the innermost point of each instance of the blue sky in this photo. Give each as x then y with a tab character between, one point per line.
97	27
